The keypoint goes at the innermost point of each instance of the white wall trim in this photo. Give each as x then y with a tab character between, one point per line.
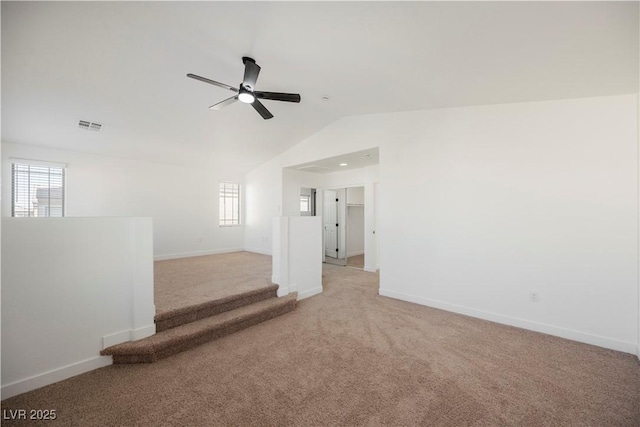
143	332
128	335
116	338
282	290
54	376
309	293
355	253
570	334
257	251
195	253
370	269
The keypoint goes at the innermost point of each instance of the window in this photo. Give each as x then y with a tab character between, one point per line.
229	204
305	204
37	190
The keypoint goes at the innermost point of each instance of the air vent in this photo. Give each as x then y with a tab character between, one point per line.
83	124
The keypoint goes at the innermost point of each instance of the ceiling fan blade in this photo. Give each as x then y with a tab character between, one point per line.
251	71
262	110
220	105
212	82
278	96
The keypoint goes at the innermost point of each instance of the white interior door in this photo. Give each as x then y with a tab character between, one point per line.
330	218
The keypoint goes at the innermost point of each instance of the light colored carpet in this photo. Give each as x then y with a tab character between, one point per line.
350	357
189	281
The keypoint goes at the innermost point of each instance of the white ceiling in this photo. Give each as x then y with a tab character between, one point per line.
123	65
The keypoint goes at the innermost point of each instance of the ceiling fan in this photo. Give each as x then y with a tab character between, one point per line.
246	91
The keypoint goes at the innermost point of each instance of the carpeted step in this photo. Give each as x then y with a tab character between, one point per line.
173	318
189	335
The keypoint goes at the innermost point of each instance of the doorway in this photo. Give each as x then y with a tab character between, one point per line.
343	226
355	227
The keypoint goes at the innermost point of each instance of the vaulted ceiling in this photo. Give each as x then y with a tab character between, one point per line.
124	65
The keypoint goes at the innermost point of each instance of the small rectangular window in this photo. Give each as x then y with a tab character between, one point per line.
37	190
305	204
229	204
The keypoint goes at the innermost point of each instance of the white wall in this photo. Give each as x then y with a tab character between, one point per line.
70	287
183	202
263	192
509	200
355	196
297	257
480	206
292	182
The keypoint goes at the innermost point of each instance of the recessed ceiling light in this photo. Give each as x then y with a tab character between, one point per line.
343	164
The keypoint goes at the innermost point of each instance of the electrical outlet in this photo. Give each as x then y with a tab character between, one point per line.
533	297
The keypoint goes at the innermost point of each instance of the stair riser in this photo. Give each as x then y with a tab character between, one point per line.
203	312
205	336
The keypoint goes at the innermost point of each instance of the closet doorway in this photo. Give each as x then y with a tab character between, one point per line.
343	226
355	227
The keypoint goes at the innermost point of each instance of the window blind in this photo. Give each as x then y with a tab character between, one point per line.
229	204
37	190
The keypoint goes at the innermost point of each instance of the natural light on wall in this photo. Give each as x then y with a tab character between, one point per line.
229	204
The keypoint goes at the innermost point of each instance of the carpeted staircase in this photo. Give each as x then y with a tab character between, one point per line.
184	328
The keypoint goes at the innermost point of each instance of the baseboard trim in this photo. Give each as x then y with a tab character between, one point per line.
282	290
355	253
258	251
370	269
196	253
570	334
144	332
116	338
309	293
128	335
53	376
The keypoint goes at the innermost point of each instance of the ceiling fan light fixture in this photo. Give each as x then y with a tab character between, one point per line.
246	96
